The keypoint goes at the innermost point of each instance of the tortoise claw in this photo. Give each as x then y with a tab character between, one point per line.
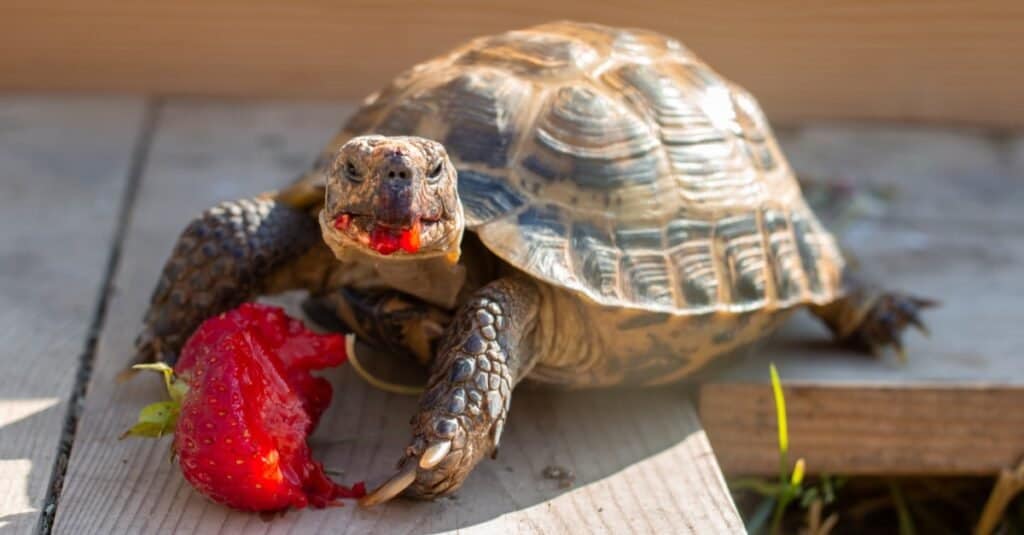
391	488
901	352
435	454
915	320
889	317
924	302
910	309
406	475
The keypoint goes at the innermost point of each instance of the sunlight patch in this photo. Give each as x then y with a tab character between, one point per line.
12	410
14	487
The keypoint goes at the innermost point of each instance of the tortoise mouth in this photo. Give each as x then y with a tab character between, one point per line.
428	235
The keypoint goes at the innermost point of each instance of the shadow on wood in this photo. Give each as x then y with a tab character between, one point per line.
622	446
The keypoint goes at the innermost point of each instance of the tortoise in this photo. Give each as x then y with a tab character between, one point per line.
630	218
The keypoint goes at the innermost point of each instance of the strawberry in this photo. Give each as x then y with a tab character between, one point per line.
243	403
388	240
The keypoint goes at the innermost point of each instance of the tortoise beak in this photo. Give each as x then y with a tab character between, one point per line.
422	237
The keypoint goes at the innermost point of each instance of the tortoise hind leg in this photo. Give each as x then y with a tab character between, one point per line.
871	319
486	351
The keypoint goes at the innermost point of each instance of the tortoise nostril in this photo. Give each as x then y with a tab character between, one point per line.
397	170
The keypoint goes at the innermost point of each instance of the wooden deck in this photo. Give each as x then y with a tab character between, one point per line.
952	231
94	190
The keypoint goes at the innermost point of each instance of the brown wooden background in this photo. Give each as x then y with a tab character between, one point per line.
903	59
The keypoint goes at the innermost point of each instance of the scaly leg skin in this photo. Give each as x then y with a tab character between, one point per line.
225	256
870	319
386	319
487	350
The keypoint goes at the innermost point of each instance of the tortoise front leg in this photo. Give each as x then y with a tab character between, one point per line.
385	319
870	318
486	351
227	255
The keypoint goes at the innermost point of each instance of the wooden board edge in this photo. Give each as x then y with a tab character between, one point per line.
867	430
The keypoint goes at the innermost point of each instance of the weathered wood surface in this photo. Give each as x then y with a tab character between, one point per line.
63	169
904	59
952	231
641	459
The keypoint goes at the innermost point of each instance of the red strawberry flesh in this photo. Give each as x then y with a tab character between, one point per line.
241	434
410	239
386	240
342	222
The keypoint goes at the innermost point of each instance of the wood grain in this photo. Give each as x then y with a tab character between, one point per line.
952	231
867	429
63	169
641	459
905	59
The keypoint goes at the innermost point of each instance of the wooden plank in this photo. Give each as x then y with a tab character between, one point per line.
905	59
63	169
952	232
641	459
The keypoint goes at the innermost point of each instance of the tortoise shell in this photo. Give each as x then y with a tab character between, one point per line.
616	164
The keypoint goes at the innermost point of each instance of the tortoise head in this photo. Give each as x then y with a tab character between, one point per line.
394	197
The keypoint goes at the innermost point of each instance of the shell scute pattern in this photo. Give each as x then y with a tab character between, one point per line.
646	278
542	229
808	234
785	257
693	256
596	257
616	164
486	197
479	106
743	256
585	137
655	91
533	54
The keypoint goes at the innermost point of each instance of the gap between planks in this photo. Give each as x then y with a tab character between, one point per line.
140	151
63	168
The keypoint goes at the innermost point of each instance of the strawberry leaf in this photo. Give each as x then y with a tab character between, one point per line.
155	420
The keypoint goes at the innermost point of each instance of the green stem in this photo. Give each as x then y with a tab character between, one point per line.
785	497
906	522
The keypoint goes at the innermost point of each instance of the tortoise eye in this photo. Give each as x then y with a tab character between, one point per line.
435	172
352	173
